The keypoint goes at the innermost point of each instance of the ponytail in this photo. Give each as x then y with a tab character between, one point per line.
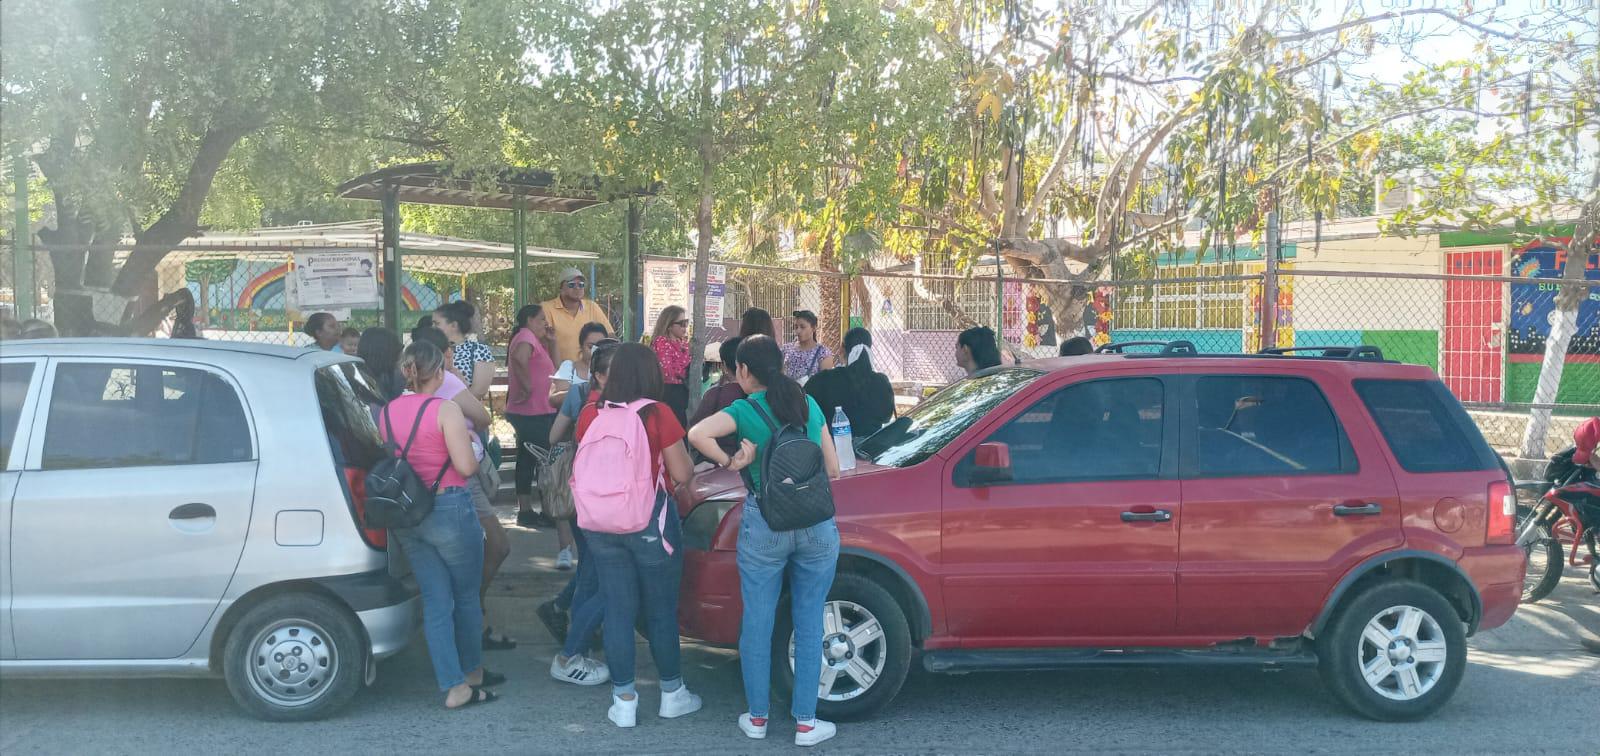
858	373
527	311
761	356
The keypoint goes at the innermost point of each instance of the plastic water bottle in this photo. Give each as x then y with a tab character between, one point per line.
842	443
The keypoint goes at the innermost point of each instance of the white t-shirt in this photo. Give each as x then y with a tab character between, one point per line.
568	372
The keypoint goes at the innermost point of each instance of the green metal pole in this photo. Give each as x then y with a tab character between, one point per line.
630	281
519	251
21	245
392	270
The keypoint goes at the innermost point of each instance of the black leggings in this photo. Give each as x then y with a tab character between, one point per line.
531	429
676	396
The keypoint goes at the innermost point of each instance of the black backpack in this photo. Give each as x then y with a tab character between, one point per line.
396	496
795	492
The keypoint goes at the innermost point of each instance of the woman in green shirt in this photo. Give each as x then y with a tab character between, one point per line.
810	555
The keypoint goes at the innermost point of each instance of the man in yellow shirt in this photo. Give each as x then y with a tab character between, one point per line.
569	311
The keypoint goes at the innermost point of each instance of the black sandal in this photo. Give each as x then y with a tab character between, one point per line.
502	643
491	679
479	696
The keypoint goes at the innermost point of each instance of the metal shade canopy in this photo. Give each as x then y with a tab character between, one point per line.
437	183
424	252
520	190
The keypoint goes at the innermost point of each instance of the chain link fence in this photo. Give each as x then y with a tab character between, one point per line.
1485	335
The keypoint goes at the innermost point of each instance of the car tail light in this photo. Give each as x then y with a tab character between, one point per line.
377	538
1502	513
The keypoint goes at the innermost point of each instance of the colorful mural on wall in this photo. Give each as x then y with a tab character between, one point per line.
251	296
1533	303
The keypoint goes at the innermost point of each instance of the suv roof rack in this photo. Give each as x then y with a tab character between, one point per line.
1178	346
1185	348
1357	352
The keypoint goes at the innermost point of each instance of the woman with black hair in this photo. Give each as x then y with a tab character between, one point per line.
808	555
643	567
976	349
323	328
528	407
380	352
472	360
806	356
757	322
864	394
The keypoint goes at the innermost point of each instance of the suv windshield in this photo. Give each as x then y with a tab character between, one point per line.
936	422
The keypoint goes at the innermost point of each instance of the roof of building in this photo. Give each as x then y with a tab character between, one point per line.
425	252
439	183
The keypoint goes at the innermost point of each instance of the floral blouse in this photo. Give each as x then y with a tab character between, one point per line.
673	354
802	364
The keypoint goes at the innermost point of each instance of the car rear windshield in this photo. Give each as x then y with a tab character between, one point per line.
346	400
1427	429
930	426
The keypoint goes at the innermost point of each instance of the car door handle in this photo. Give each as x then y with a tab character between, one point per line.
1160	515
193	511
1351	510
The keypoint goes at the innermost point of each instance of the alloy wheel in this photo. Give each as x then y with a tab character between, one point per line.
1402	652
854	651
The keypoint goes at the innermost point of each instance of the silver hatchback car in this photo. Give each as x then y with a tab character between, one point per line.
183	508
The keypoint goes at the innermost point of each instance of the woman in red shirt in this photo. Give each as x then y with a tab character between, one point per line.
671	342
646	565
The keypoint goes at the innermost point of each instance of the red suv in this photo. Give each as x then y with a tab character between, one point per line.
1170	507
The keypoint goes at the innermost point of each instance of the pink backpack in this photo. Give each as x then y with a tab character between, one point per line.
611	482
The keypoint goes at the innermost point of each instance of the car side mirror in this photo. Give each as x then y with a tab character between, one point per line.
991	463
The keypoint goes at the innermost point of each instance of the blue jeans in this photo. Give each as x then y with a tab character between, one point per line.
635	568
446	555
810	555
583	597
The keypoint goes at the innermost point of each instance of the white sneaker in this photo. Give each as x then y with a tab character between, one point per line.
679	703
580	670
564	559
625	713
750	729
819	732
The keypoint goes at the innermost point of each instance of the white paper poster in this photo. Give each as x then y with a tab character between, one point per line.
666	283
333	279
669	282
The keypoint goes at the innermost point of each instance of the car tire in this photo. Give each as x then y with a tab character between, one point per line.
1414	654
295	657
856	601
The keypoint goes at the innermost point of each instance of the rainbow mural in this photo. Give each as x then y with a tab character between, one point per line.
265	291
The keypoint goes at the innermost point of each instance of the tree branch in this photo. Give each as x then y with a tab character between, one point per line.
1397	15
182	218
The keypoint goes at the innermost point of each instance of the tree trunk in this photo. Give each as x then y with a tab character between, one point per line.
1562	328
702	263
830	325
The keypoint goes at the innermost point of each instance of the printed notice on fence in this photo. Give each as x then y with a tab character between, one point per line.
326	279
668	282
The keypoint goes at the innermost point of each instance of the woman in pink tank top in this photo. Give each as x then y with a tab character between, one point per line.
446	548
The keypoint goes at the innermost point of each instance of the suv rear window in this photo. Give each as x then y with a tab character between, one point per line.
1267	425
1426	427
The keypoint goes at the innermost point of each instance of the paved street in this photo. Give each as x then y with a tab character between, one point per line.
1528	689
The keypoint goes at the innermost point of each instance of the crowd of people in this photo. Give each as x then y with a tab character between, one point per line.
572	392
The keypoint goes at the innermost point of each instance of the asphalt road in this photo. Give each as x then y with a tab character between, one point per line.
1529	689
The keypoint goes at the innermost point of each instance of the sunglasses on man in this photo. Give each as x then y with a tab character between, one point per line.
575	284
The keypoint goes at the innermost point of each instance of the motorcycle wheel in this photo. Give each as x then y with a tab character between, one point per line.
1545	557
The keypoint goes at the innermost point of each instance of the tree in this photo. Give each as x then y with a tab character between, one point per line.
132	109
727	105
1129	127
